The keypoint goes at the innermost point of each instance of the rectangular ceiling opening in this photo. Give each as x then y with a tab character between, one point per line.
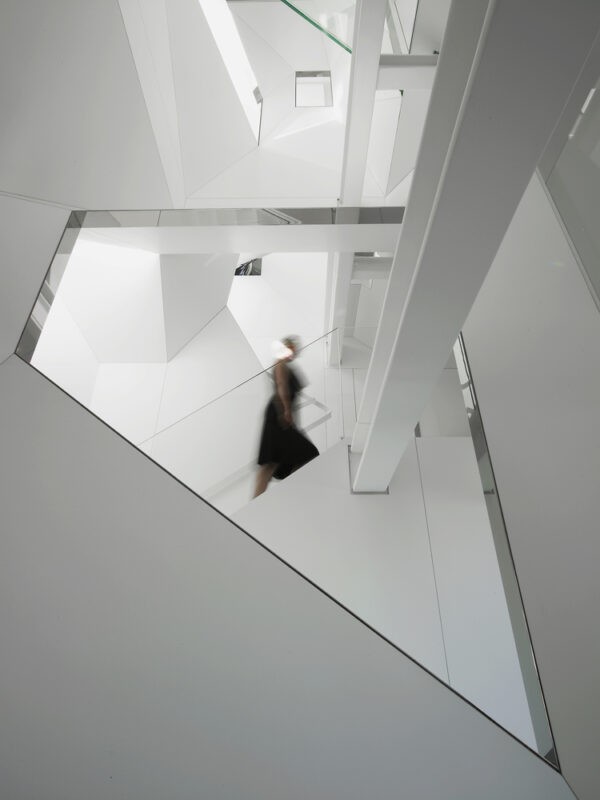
313	89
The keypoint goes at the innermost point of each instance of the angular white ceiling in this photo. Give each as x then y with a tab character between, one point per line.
114	296
309	138
195	288
75	129
287	298
271	176
216	360
148	33
197	118
298	42
213	127
270	67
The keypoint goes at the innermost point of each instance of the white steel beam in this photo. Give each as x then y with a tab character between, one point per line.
343	263
366	50
462	36
344	238
508	111
406	72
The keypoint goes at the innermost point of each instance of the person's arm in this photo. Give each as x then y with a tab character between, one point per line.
283	393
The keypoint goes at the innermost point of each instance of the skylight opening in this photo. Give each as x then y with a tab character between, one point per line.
313	89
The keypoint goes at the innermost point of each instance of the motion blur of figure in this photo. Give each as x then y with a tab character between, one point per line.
283	447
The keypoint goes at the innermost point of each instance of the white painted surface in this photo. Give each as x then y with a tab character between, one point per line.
407	10
369	552
64	355
29	233
429	26
150	645
386	109
409	133
277	105
406	72
286	299
300	153
147	29
127	397
314	136
451	269
366	47
257	238
233	55
114	295
76	129
269	179
276	77
271	68
445	414
195	288
533	341
370	303
296	41
213	135
451	78
399	196
482	660
391	560
216	360
211	448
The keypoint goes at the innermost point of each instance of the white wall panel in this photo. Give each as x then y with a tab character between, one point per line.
152	650
482	658
270	68
267	178
288	298
533	341
370	552
75	127
298	42
312	135
210	450
445	414
148	33
215	361
114	294
127	397
408	136
213	127
29	233
369	308
195	288
381	141
64	355
430	25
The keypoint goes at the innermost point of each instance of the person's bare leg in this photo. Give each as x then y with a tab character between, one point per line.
263	476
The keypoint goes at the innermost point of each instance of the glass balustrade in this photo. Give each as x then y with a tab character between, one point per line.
209	217
510	615
334	18
213	448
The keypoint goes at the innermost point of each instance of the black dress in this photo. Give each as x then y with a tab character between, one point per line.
285	446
